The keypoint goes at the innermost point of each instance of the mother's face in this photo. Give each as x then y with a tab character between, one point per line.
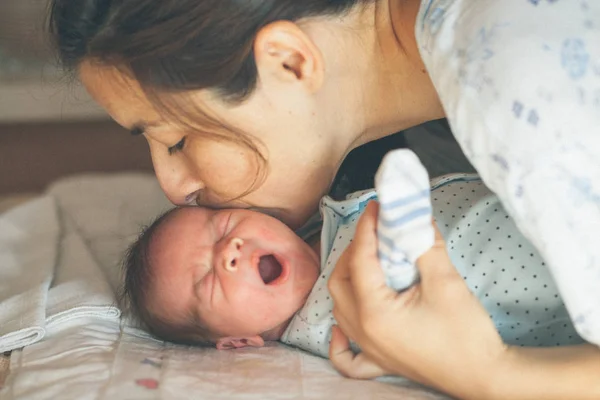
301	158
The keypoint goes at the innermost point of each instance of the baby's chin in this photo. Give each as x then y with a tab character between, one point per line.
277	332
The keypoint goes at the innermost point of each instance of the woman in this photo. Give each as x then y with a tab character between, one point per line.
256	103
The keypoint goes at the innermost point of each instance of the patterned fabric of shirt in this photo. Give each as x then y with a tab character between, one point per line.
519	81
498	264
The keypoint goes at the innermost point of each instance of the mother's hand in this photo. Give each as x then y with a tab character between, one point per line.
435	333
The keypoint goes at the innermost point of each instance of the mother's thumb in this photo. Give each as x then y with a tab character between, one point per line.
435	263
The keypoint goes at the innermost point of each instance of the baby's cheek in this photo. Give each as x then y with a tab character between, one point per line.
268	234
262	313
307	263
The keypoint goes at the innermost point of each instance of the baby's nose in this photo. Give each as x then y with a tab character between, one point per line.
232	254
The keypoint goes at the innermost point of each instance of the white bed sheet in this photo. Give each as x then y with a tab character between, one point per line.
95	359
99	361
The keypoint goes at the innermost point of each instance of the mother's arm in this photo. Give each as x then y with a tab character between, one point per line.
438	334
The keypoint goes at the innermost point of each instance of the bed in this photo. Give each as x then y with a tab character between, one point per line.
93	358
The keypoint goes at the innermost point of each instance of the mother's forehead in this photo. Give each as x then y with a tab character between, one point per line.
127	101
108	84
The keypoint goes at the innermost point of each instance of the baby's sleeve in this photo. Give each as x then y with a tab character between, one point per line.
520	85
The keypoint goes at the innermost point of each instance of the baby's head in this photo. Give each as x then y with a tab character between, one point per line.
228	277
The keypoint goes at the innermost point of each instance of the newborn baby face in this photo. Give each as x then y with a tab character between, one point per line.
241	273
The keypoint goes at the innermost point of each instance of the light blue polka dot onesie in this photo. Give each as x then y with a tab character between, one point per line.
498	264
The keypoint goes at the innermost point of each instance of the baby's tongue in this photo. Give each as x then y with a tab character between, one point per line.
269	269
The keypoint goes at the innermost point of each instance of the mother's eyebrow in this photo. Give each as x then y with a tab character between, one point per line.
140	127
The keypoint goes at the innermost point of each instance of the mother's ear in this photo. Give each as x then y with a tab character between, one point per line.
228	343
283	51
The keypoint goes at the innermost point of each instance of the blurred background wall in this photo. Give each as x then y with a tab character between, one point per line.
49	127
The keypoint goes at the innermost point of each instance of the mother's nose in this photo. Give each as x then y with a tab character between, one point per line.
181	185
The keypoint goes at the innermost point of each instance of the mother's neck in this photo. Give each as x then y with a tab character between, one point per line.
401	94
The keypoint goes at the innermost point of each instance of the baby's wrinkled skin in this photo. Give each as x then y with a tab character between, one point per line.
242	273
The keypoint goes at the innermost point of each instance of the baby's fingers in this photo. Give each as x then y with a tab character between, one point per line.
356	366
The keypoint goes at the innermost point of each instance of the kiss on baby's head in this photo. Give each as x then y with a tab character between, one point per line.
229	278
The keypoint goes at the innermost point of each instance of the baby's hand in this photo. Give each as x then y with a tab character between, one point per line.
357	366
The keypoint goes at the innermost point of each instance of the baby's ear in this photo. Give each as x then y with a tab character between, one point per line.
228	343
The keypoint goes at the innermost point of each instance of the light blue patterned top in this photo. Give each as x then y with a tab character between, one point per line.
520	83
500	267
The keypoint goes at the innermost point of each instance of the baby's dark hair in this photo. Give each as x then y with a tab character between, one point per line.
138	277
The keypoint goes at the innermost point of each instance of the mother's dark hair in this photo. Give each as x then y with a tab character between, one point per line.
177	45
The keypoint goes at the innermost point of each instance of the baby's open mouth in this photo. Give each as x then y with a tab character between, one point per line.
269	268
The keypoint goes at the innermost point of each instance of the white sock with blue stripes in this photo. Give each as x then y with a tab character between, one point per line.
404	227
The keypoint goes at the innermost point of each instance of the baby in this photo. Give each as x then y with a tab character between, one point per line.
235	278
228	277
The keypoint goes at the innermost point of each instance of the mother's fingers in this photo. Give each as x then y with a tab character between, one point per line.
435	265
364	241
365	271
366	228
344	307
